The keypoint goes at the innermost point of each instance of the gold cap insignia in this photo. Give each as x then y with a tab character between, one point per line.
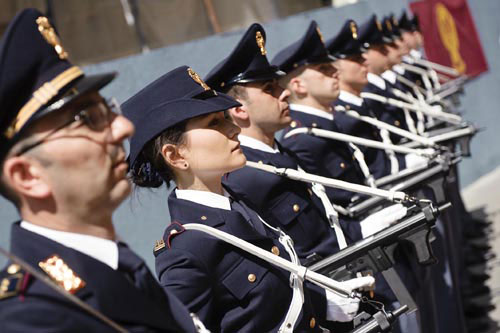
388	24
320	35
354	30
50	36
379	25
395	22
159	244
62	274
197	78
260	42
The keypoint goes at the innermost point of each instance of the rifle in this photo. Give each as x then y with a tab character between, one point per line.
376	253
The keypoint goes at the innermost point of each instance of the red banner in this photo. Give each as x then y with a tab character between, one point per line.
450	36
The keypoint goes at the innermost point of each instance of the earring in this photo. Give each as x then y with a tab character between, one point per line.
185	165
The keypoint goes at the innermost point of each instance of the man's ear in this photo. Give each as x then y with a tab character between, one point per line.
297	86
25	176
174	157
239	113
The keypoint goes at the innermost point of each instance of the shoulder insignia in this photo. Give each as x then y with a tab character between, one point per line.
64	276
11	281
159	244
174	229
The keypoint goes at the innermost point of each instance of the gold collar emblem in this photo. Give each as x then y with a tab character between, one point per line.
379	25
320	35
260	42
354	30
64	276
50	36
197	78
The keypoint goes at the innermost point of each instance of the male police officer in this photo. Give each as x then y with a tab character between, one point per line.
64	168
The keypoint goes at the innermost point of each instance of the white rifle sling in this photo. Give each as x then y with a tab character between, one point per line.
360	158
301	271
383	125
355	140
395	196
431	111
384	134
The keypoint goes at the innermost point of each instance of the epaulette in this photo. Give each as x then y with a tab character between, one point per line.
64	276
174	229
11	281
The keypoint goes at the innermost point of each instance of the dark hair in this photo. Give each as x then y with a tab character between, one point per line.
150	168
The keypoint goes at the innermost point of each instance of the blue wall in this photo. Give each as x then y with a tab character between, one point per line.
142	219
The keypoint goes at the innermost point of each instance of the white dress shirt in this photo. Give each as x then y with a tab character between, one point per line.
350	98
205	198
104	250
257	144
312	111
376	80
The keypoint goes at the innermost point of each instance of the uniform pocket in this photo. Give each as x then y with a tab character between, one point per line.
244	277
288	207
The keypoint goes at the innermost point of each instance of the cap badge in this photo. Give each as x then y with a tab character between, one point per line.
379	25
320	35
197	78
388	24
354	30
260	42
395	22
50	36
62	274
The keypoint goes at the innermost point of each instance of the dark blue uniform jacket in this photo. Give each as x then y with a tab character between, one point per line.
288	204
32	306
376	159
230	290
324	157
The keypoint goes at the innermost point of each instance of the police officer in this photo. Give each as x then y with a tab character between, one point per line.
290	205
63	167
183	135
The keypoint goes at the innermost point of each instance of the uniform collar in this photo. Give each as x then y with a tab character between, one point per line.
350	98
101	249
416	54
399	69
376	80
390	76
205	198
256	144
311	110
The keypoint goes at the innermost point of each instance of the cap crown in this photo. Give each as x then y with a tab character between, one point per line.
310	49
246	63
346	42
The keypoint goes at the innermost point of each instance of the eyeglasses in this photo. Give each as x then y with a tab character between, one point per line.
96	116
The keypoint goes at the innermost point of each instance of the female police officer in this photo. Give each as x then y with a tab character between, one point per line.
183	135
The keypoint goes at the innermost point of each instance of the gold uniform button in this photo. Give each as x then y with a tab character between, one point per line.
293	124
203	217
13	269
275	250
260	162
296	208
314	125
397	123
347	107
342	165
312	322
251	278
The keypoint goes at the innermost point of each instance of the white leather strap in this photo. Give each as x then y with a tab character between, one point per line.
360	158
384	134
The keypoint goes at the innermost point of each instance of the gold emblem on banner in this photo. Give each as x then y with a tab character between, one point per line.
50	36
196	78
354	30
320	35
449	37
260	42
64	276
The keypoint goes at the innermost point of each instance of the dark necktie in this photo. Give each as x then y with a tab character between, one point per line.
250	216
